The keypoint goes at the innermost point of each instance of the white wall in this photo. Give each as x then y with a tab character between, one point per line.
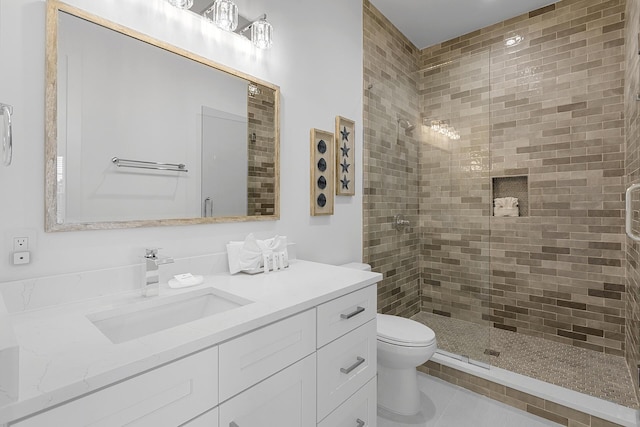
317	62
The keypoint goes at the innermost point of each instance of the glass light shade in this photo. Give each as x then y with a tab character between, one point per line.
181	4
254	90
262	34
224	13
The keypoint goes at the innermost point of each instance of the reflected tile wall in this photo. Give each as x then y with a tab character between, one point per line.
550	107
261	182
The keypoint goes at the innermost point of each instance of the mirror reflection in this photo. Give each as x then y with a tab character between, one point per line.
149	136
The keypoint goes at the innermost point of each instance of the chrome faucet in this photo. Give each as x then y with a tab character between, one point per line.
151	275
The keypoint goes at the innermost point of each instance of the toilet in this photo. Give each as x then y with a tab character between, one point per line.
403	344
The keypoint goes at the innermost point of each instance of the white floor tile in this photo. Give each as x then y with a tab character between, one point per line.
447	405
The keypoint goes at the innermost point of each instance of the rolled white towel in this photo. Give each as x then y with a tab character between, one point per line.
505	202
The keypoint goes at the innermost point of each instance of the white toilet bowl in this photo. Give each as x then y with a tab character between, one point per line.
403	344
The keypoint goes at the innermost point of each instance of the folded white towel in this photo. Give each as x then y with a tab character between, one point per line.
255	256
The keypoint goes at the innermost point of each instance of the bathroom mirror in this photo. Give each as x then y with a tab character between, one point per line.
141	133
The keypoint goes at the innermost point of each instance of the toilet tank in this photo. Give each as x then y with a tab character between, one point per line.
357	266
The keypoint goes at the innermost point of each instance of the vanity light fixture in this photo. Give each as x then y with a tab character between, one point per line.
262	33
181	4
442	127
223	13
259	31
254	90
513	41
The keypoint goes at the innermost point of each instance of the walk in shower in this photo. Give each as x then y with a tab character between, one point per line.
531	108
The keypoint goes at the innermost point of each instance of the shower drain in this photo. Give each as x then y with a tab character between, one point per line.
490	352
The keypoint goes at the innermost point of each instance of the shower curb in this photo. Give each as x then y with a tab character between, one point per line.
557	404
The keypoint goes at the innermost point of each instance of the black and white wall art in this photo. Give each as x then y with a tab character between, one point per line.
322	172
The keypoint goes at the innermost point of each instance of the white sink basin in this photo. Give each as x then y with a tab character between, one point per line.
147	317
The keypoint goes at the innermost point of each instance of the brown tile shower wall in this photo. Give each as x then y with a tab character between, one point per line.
550	108
632	164
455	188
390	162
261	181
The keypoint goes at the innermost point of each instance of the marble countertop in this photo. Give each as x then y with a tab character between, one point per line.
63	355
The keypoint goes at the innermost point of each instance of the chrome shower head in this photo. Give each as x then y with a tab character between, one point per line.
406	124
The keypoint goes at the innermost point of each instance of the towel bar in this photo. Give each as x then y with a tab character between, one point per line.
124	163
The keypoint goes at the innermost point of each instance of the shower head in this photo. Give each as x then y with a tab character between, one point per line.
406	124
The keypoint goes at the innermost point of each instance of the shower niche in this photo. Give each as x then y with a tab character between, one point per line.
512	186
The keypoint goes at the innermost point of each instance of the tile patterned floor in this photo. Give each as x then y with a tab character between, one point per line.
586	371
447	405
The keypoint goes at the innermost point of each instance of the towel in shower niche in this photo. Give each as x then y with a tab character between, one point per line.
506	206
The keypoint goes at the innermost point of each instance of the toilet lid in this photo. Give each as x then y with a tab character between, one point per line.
396	329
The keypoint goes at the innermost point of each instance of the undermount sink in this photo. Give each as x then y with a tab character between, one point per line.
147	317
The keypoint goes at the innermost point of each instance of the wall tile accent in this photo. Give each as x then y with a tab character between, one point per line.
550	107
390	162
632	112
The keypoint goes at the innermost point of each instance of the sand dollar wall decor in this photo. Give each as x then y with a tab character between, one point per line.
322	172
345	157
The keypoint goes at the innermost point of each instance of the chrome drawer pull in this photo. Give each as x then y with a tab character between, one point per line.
354	313
352	367
360	422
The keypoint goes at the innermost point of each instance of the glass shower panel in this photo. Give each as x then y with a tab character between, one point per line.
456	203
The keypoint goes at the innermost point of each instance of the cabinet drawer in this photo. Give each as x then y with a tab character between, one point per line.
253	357
359	411
287	399
337	317
344	366
208	419
166	396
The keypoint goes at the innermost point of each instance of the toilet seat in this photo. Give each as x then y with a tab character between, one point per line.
397	330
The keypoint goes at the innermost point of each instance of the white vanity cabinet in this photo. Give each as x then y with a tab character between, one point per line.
360	410
167	396
286	399
250	358
313	368
347	362
208	419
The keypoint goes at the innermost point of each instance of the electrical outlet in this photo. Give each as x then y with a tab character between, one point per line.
20	243
21	258
20	239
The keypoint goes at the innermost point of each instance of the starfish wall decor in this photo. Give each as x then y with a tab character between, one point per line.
345	158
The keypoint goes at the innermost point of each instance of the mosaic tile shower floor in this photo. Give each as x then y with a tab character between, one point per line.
586	371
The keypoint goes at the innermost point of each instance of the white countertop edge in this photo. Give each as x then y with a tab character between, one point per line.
46	400
600	408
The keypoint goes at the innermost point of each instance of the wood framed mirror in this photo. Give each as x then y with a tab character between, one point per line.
142	133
